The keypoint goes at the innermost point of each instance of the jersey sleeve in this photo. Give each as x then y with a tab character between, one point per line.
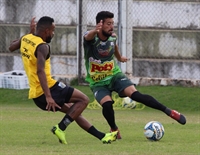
87	41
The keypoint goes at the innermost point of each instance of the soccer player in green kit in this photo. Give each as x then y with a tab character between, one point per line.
104	75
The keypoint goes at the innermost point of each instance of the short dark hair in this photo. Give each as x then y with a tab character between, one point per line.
103	15
45	22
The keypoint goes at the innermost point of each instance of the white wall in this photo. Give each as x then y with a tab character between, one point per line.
144	14
166	14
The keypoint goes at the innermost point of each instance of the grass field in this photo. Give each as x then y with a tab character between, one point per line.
25	129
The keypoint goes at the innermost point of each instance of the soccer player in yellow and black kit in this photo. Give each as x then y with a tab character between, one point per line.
105	76
47	93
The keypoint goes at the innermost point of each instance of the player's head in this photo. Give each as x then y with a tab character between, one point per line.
103	15
108	22
46	26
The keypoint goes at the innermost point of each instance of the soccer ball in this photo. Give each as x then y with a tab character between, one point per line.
154	131
128	103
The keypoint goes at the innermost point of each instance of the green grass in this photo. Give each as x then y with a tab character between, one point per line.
25	129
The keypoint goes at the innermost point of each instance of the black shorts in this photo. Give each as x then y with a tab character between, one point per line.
119	82
59	92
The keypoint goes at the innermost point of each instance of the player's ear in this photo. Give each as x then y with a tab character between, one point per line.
47	30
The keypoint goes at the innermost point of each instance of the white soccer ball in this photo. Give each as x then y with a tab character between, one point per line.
154	131
128	103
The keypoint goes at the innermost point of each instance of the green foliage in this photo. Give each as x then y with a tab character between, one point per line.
75	81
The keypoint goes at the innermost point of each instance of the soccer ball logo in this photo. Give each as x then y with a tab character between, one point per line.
154	131
129	103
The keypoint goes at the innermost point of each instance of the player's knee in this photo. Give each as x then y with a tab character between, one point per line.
107	105
85	100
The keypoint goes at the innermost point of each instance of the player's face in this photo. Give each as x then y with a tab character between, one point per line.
107	27
50	33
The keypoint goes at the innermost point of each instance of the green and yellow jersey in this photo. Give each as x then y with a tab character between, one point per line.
99	60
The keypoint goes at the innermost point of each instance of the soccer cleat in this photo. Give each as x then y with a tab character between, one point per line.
109	137
178	117
59	133
118	134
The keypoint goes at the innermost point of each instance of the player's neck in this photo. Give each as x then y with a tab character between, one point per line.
102	37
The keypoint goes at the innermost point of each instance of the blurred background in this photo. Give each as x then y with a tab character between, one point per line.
161	37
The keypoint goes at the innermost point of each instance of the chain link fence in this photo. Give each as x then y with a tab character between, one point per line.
161	37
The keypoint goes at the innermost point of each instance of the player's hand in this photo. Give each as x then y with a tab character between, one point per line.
114	34
51	104
32	25
124	59
99	26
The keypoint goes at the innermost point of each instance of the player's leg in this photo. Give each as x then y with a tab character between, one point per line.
88	127
81	121
41	103
153	103
128	89
103	96
63	94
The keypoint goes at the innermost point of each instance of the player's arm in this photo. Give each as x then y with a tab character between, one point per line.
41	54
32	25
92	33
118	55
15	45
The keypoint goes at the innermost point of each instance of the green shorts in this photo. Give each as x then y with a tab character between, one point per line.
118	83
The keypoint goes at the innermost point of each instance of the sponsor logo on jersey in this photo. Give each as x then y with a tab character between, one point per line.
103	53
100	71
103	43
29	42
105	67
98	77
